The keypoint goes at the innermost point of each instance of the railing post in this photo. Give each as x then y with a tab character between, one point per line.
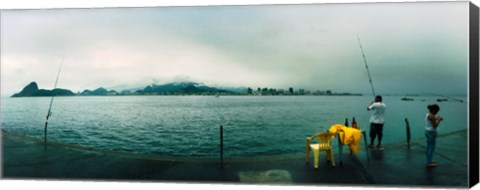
221	146
407	126
366	145
340	149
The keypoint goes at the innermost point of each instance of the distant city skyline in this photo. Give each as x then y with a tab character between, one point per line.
411	48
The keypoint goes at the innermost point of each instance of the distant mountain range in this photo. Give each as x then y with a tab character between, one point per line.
178	88
32	90
187	88
181	88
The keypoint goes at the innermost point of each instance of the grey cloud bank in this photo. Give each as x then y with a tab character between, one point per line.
410	47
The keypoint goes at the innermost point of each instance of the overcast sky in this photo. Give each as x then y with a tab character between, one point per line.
410	47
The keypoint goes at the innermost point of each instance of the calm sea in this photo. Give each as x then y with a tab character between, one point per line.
189	125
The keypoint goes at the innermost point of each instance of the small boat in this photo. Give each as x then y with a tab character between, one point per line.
407	99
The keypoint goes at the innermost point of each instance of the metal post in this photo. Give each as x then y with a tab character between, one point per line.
340	149
407	125
366	146
221	146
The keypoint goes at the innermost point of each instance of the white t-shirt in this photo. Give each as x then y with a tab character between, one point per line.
378	110
428	124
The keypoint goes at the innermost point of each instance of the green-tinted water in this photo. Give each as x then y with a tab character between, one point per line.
189	125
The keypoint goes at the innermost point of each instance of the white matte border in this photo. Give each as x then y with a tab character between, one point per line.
74	185
34	4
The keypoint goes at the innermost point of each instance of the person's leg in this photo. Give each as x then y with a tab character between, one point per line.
372	135
430	146
380	135
434	142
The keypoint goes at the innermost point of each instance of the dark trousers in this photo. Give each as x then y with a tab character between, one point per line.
376	130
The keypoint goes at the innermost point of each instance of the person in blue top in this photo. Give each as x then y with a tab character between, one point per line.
376	121
431	123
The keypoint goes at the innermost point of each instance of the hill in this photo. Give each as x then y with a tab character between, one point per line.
182	88
32	90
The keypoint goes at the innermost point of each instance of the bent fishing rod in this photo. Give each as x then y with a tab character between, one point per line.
50	107
366	66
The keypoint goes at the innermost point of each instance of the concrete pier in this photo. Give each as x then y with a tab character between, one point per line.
25	158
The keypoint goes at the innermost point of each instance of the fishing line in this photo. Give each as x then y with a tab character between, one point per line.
366	66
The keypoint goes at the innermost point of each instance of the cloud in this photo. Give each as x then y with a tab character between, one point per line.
307	46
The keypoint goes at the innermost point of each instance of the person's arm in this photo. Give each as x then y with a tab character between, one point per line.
370	107
435	120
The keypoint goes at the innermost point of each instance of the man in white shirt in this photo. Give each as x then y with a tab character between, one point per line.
376	121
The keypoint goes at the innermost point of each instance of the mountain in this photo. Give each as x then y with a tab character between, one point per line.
179	88
31	90
28	90
182	88
98	92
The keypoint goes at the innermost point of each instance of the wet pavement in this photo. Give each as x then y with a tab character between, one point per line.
25	158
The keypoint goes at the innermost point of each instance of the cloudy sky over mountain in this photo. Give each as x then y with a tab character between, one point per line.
410	47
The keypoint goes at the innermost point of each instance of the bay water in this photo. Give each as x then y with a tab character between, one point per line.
190	125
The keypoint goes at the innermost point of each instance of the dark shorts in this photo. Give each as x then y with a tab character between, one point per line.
376	129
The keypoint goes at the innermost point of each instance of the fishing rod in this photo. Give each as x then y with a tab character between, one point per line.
50	107
366	66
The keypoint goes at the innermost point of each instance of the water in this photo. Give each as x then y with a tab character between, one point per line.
189	125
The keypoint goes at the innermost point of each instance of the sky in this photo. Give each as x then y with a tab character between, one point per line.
410	48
